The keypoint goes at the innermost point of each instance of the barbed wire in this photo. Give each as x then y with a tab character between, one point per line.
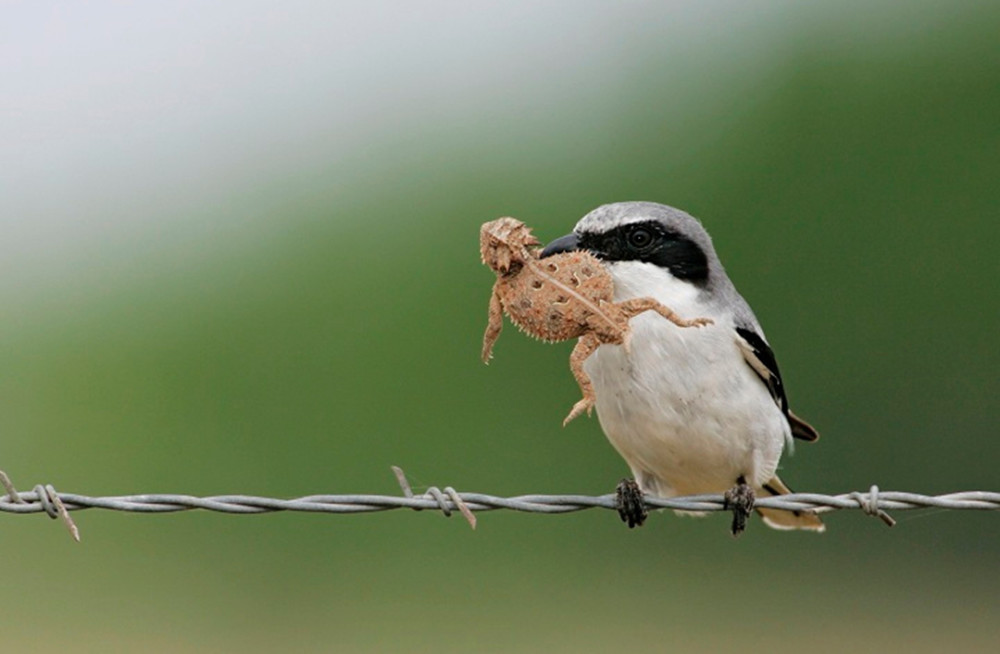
45	499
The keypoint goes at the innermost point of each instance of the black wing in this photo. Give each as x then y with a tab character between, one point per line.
760	357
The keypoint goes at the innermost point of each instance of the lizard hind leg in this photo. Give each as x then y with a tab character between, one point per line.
586	346
638	305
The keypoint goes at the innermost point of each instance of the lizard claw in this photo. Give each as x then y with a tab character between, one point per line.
578	408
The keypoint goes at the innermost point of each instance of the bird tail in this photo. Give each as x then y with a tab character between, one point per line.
779	519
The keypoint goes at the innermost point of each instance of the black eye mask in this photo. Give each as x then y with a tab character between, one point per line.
650	242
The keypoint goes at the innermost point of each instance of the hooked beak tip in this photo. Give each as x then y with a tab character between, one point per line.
567	243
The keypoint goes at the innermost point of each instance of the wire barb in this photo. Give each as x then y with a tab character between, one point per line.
48	501
438	497
8	485
870	506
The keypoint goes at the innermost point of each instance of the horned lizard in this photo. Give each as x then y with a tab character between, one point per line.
564	296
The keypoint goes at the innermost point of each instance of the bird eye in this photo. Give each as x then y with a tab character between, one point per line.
640	238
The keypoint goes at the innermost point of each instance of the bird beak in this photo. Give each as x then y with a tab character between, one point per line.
567	243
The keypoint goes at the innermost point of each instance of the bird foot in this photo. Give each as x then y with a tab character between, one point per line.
740	500
630	504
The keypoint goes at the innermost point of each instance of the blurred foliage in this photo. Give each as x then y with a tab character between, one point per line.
849	182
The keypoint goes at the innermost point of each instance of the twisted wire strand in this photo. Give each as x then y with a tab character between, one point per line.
32	502
45	499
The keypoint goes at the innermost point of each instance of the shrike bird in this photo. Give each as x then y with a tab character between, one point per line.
690	410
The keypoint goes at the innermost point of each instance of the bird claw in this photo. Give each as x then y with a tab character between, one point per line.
630	503
740	500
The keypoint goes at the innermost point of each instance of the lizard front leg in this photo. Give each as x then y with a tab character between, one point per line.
586	346
494	325
638	305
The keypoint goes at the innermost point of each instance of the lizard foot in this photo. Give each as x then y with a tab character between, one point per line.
586	404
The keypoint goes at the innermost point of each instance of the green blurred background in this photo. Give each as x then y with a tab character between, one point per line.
239	255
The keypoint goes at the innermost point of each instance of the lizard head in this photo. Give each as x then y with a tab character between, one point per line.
504	242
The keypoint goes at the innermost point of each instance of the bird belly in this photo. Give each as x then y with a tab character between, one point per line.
684	409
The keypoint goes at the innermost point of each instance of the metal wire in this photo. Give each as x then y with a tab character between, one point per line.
30	502
45	499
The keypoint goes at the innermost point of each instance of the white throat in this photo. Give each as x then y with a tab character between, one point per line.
639	279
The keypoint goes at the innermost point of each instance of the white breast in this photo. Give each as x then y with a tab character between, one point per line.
683	408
